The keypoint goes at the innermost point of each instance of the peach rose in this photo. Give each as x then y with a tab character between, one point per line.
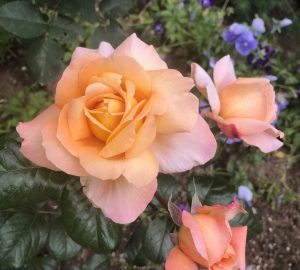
120	116
207	240
243	108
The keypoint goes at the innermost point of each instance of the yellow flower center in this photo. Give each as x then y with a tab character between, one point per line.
112	99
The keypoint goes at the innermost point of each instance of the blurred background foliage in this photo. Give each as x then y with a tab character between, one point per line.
37	37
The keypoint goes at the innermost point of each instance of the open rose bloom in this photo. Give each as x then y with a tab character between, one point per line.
206	240
120	116
243	108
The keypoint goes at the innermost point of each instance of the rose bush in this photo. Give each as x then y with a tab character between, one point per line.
206	239
120	117
243	108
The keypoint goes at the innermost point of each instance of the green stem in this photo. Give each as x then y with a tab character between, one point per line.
225	5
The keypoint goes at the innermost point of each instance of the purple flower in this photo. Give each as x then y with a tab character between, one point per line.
212	61
246	43
258	26
270	51
277	25
271	78
203	106
244	193
239	28
203	103
158	28
280	199
232	140
243	38
285	22
205	3
183	207
262	57
231	34
281	102
229	37
193	15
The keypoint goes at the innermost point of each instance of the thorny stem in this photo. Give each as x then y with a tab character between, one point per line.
161	200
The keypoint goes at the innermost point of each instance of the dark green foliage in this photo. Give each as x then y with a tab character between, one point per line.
42	263
44	58
167	187
97	262
112	33
157	243
85	9
22	236
212	189
59	242
134	250
248	219
22	19
86	224
65	30
55	28
115	9
23	183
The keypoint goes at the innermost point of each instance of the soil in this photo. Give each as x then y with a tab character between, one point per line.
278	246
14	77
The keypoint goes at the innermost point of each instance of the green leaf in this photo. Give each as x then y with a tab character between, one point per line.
43	263
22	235
115	8
23	183
85	9
86	224
167	186
97	262
249	220
65	30
134	250
113	34
60	244
44	59
22	19
157	243
212	189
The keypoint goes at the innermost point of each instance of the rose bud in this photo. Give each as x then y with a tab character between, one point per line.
206	239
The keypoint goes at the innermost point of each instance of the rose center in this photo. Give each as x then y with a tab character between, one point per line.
107	111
